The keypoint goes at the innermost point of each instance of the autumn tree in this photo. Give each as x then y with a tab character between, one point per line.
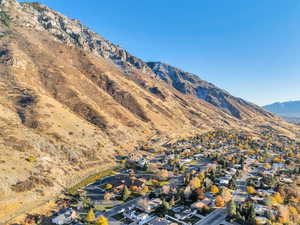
200	193
251	190
277	197
102	221
163	174
195	183
226	194
214	189
108	186
90	216
219	202
108	196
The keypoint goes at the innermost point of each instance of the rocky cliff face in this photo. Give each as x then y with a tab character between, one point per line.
72	32
70	101
191	84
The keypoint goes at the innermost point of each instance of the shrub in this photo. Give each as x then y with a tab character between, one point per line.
31	159
5	18
108	186
37	6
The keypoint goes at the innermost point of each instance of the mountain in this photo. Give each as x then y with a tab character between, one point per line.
191	84
288	110
70	101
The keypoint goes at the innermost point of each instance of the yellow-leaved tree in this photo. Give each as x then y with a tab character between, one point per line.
102	221
90	216
214	189
251	190
219	202
278	198
195	183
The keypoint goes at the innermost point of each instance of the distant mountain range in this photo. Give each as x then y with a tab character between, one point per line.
288	110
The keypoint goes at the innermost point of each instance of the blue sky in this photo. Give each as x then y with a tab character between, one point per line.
251	48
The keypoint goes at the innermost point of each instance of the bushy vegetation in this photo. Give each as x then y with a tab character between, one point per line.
90	179
31	159
5	18
37	6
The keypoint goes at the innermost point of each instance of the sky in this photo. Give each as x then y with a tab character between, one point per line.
250	48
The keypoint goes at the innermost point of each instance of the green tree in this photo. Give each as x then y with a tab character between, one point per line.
5	18
232	209
126	193
166	206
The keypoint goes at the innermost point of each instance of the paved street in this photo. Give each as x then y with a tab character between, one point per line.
214	218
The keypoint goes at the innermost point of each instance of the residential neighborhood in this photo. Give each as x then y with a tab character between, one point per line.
217	178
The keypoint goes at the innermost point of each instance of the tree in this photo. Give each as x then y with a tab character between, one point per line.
277	197
90	216
165	189
172	202
108	186
214	189
252	214
267	166
145	190
232	209
166	206
195	183
102	221
163	174
200	193
226	194
108	196
219	202
126	193
187	192
201	176
251	190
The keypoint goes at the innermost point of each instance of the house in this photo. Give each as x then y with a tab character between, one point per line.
198	156
200	204
261	220
225	180
286	180
256	198
260	209
66	216
147	205
185	214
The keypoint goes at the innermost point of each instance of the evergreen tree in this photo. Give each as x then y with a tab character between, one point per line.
165	205
232	211
126	193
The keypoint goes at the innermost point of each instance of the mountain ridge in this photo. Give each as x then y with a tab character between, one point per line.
289	110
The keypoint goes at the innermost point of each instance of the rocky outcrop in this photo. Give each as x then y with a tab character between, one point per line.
191	84
72	32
